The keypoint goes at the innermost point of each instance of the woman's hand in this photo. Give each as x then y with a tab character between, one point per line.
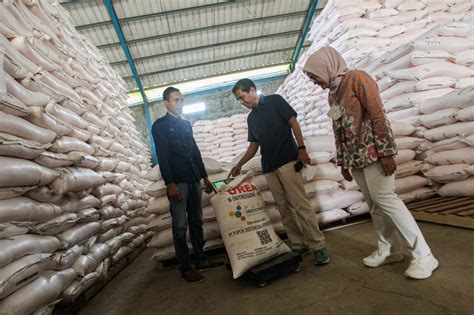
388	165
346	174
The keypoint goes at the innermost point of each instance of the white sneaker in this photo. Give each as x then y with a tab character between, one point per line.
421	268
378	258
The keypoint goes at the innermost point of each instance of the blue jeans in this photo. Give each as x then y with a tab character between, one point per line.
188	210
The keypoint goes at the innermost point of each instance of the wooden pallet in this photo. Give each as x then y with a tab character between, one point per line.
454	211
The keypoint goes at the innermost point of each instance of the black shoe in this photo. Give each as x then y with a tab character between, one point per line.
192	276
209	265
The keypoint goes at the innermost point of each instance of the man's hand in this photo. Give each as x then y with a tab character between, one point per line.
346	174
235	171
174	192
303	156
208	184
388	165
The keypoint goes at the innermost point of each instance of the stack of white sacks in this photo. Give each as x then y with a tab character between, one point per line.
204	137
222	139
71	192
425	78
363	31
430	84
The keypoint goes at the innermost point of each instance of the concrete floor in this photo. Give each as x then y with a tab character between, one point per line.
344	286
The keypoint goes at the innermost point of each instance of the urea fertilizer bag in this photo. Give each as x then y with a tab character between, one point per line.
246	228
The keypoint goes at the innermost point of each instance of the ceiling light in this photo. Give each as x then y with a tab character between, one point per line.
194	108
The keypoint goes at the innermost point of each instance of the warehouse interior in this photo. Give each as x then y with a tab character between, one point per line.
86	223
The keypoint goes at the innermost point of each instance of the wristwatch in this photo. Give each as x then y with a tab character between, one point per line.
301	147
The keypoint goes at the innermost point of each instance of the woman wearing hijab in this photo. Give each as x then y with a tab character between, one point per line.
365	152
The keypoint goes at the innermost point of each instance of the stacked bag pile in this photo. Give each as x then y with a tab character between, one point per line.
71	186
222	139
204	137
309	102
424	70
330	196
429	84
363	31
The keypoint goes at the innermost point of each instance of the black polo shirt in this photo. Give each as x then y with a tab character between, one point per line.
268	125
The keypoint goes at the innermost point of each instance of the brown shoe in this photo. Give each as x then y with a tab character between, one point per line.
192	276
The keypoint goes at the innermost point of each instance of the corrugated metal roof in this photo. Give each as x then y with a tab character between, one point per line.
180	40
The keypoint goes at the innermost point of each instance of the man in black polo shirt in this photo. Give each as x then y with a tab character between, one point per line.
182	168
270	125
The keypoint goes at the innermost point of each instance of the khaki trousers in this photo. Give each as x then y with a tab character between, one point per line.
291	200
389	213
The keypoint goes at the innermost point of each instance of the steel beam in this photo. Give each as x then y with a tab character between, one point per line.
193	49
146	74
219	87
118	30
214	76
208	28
155	15
304	32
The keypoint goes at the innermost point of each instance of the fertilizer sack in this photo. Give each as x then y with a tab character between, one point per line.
246	228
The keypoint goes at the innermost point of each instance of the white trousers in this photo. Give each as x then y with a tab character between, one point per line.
389	213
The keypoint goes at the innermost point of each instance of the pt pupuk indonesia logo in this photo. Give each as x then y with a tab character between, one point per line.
237	213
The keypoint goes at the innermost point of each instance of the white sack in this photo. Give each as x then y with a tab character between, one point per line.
459	156
21	272
456	99
37	294
21	128
22	245
54	160
465	114
441	117
19	172
246	228
76	179
79	233
320	186
335	200
450	131
409	183
26	209
464	188
404	156
409	168
18	147
358	208
417	194
408	143
435	69
447	173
